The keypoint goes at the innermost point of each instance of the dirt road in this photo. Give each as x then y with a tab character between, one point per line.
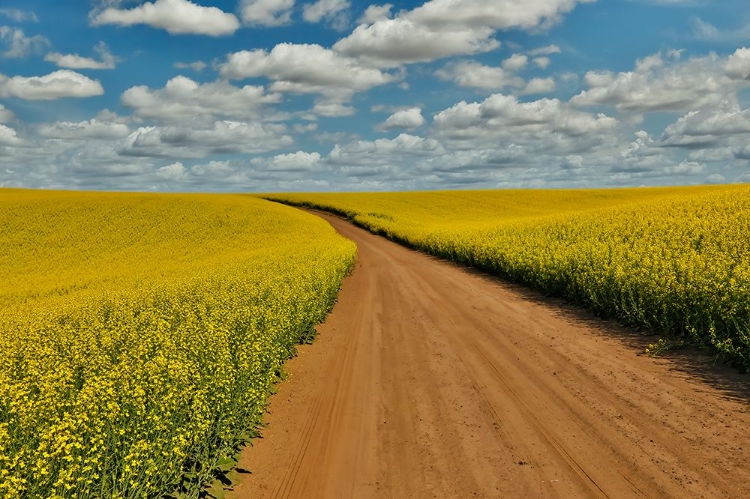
431	381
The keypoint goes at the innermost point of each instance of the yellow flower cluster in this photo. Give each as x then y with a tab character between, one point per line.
140	335
675	260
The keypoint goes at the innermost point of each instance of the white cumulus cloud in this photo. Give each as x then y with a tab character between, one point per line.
6	115
84	130
332	109
542	62
175	171
476	75
660	85
8	136
497	14
383	151
183	99
375	13
408	119
392	42
539	86
727	125
503	116
299	161
516	62
18	45
176	16
738	65
305	69
223	137
75	61
445	28
324	9
57	85
266	12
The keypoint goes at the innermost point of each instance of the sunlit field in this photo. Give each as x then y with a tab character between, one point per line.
140	334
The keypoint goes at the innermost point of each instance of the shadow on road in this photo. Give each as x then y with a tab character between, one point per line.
691	362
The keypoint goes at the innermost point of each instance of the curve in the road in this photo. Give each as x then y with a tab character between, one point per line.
432	381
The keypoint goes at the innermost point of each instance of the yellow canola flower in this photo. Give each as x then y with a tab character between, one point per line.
141	334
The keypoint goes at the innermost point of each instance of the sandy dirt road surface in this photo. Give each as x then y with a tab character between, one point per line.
432	381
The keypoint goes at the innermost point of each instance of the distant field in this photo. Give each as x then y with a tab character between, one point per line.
674	260
140	334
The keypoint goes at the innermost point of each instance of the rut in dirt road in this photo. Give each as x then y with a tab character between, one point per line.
430	381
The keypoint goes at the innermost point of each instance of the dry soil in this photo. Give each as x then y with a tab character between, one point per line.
433	381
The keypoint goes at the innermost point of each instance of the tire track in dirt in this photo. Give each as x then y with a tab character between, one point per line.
433	381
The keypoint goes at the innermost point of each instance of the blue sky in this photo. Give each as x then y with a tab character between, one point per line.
290	95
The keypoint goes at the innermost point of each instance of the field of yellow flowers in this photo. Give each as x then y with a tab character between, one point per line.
140	334
673	260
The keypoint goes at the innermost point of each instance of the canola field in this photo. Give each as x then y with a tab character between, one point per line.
673	260
141	334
